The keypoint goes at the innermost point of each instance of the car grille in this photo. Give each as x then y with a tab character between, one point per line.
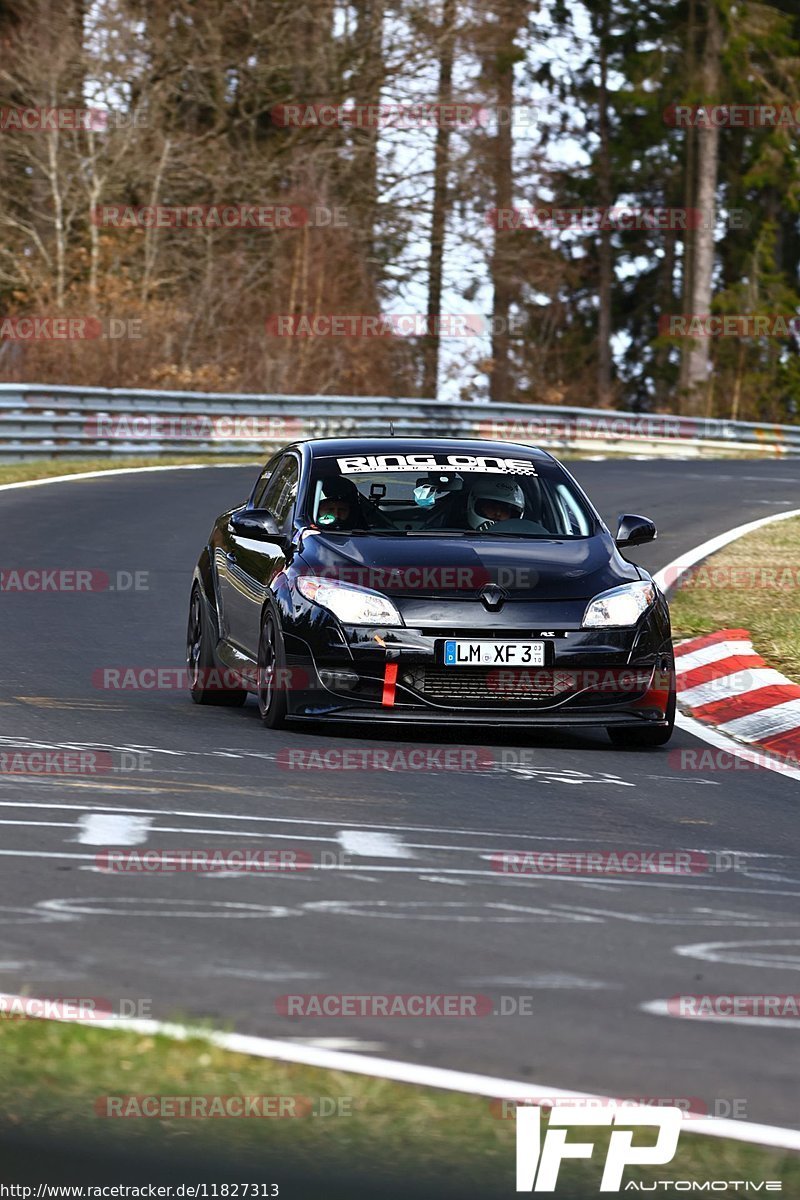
483	684
536	686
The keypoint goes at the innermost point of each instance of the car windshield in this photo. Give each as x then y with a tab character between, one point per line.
443	493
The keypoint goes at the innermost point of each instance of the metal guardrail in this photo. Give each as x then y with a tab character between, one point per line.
38	421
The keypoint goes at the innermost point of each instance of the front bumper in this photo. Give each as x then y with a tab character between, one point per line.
590	678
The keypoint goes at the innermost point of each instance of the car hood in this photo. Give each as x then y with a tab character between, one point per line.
570	569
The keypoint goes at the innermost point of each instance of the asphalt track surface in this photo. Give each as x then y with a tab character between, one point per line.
418	909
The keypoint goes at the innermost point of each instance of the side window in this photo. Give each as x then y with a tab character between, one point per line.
281	491
263	481
574	519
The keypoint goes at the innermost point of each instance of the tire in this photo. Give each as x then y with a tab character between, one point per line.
645	738
200	658
272	701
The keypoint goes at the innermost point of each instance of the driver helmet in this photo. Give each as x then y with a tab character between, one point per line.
491	500
338	504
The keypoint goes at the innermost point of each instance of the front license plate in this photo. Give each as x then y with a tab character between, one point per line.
493	654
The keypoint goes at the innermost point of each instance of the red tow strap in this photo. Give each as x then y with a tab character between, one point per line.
389	684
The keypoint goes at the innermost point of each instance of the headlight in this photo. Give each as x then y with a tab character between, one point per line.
621	606
352	605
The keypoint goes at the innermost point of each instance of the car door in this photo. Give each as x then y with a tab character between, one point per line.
224	555
251	565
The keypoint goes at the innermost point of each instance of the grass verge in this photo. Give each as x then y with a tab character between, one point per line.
55	1077
751	584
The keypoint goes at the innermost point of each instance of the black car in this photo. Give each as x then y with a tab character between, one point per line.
461	582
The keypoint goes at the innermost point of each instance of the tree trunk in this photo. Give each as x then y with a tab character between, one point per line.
511	15
690	157
606	262
707	166
430	378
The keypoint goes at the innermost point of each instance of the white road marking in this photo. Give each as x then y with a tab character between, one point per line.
694	916
211	816
112	829
78	475
546	775
159	907
745	954
443	879
274	976
544	981
372	845
510	881
445	910
443	1078
661	1008
30	916
337	1043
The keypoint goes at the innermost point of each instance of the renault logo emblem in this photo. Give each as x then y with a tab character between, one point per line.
493	597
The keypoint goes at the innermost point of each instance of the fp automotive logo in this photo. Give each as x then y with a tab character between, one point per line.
538	1164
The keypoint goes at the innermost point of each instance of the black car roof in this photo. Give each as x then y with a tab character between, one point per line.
322	447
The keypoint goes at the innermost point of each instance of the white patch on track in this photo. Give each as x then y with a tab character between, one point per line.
112	829
372	845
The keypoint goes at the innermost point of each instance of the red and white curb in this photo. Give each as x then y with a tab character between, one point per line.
723	682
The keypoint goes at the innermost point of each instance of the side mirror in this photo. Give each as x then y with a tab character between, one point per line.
260	525
633	531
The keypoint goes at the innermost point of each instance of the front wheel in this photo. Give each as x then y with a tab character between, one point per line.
272	702
205	678
645	738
